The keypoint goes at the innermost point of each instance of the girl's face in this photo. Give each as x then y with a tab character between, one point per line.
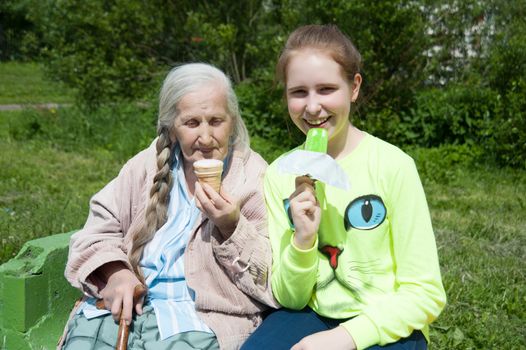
203	126
318	93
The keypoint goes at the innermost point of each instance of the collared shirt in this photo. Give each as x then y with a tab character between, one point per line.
163	262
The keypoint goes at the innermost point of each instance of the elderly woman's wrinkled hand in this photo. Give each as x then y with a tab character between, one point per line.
118	295
221	208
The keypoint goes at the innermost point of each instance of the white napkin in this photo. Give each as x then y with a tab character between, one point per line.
319	166
89	309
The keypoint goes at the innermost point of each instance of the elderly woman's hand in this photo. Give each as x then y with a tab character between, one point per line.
221	208
118	294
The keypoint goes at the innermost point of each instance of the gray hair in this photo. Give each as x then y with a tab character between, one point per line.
188	78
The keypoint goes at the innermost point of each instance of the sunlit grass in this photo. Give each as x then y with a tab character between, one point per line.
25	83
481	234
44	190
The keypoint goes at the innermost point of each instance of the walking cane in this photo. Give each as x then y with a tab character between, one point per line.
124	329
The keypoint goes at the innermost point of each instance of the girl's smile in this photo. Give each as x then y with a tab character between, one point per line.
317	123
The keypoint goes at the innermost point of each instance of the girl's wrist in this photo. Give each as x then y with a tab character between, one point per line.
304	243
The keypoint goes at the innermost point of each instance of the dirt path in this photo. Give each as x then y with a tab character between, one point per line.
17	107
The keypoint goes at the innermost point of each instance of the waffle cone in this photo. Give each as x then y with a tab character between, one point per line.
209	171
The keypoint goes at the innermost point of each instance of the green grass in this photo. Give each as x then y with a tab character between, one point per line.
25	83
481	236
44	191
53	161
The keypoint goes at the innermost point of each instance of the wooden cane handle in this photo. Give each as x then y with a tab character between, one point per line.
100	304
124	329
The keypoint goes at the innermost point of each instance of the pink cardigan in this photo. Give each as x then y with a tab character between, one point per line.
231	278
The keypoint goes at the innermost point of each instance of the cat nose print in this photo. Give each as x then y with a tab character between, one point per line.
332	253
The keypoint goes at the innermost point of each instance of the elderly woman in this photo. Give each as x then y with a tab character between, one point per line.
204	256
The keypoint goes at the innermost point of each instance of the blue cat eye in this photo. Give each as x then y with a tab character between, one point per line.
365	213
286	206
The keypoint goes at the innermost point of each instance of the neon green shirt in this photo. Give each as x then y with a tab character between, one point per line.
375	258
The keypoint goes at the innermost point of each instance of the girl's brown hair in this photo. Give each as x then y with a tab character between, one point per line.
326	38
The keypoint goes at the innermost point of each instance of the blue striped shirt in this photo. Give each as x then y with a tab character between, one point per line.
163	263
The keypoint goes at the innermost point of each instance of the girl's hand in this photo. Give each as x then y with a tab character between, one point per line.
305	211
338	338
220	207
118	292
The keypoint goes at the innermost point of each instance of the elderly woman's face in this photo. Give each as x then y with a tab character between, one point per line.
203	126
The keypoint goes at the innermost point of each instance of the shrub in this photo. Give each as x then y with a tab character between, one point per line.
19	39
459	115
265	114
445	163
508	135
456	115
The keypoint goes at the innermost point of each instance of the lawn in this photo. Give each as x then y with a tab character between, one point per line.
27	84
480	229
53	161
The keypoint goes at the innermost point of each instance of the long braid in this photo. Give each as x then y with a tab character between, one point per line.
156	211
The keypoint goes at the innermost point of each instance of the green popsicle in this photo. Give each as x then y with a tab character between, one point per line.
317	140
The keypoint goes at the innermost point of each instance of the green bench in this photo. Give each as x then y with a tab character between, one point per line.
35	298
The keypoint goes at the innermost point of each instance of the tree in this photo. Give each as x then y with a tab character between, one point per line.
112	49
18	37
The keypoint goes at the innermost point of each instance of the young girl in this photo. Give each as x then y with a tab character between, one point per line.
353	269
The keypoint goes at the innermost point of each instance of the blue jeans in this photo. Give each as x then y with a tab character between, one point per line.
284	328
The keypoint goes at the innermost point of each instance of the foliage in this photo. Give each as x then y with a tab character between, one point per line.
114	49
504	70
452	74
508	142
111	49
459	32
265	113
504	66
19	37
234	35
103	48
445	164
452	115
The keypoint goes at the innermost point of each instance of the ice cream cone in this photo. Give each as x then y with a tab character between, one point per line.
209	171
